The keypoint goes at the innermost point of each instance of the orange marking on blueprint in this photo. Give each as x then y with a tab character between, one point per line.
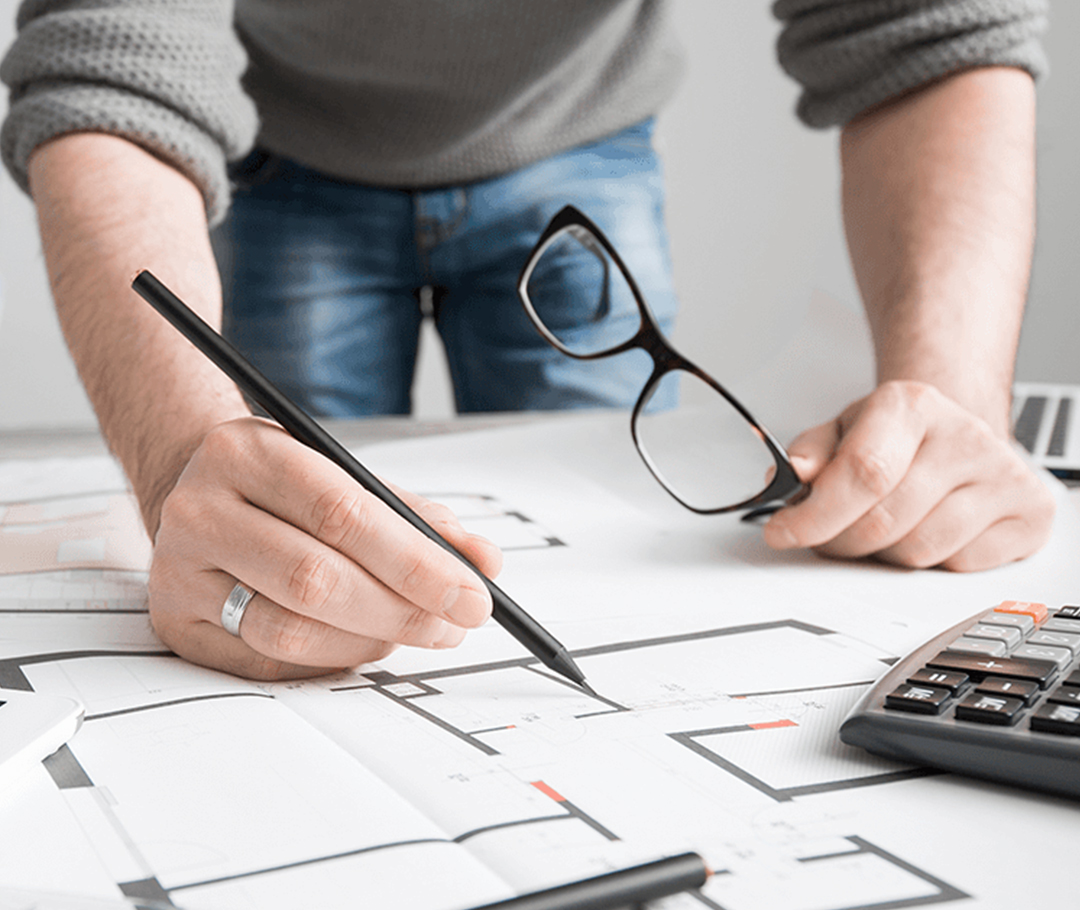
547	791
772	723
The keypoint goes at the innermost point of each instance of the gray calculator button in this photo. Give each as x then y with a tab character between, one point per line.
1020	621
1053	624
1010	636
1055	639
980	646
1060	656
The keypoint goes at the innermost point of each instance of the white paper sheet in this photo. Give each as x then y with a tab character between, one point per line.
447	779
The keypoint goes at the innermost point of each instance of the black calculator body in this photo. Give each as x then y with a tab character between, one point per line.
996	696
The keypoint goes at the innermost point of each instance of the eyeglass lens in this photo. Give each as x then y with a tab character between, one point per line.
580	296
702	449
696	443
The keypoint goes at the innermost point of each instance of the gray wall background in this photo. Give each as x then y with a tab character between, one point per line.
753	212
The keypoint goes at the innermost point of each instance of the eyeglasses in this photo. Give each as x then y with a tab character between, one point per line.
698	441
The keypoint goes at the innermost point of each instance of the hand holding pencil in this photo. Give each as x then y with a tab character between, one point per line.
339	579
385	547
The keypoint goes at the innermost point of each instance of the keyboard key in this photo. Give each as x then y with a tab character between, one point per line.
989	709
1011	688
1010	637
1064	719
1020	621
979	646
1060	656
1068	612
920	699
978	668
1026	428
954	682
1036	611
1064	695
1055	639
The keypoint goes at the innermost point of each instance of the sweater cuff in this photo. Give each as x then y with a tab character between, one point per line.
50	111
850	57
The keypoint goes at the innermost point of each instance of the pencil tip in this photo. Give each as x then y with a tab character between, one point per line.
588	689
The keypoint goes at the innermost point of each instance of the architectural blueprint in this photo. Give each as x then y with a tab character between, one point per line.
448	779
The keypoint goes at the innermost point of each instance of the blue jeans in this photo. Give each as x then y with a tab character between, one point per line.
323	279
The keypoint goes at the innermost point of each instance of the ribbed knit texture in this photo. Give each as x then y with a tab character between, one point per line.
850	56
415	93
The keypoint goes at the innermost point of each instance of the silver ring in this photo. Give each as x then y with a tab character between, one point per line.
233	610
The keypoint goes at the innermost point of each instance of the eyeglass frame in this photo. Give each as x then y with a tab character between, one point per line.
785	486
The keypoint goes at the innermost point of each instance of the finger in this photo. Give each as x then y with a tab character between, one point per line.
941	467
281	635
312	580
480	551
306	490
211	646
812	450
869	462
972	529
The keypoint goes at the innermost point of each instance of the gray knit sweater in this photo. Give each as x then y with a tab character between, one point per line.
414	93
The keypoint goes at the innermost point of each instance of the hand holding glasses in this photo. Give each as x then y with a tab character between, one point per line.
698	441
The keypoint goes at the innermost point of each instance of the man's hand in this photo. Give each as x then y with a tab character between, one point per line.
340	578
909	476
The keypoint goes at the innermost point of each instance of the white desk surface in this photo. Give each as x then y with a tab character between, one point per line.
791	823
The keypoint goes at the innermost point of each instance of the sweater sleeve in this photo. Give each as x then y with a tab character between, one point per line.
162	73
850	55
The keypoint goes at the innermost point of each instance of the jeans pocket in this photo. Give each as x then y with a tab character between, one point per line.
259	167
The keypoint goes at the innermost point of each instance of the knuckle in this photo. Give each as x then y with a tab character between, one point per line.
291	637
413	579
338	514
872	470
878	527
225	442
266	669
311	583
438	514
417	627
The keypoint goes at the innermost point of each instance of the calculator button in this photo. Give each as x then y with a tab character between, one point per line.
1062	625
1060	656
1073	679
1020	621
1011	637
979	646
989	709
1063	719
1064	695
920	699
1068	612
1012	688
1037	612
1055	639
954	682
977	667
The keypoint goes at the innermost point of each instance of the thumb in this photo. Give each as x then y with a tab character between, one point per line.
813	449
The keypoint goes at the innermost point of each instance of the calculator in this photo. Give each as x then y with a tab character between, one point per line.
996	696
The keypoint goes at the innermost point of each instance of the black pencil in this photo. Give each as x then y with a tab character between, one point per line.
626	888
541	643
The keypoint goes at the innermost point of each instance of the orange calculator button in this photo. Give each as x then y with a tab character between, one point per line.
1038	612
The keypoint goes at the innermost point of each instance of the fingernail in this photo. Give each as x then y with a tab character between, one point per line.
449	637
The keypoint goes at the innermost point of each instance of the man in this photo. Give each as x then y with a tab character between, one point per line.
417	144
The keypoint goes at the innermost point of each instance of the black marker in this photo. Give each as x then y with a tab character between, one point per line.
626	888
304	429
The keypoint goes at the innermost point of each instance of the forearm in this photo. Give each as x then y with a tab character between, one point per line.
938	197
106	210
